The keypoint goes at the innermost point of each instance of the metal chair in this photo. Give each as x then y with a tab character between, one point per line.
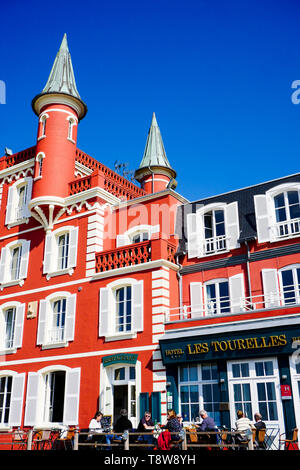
65	442
290	444
19	440
41	440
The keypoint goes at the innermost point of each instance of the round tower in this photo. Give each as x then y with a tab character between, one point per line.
155	172
59	108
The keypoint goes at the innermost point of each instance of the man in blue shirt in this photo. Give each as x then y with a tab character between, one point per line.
207	424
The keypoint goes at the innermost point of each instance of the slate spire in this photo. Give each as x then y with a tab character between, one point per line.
154	153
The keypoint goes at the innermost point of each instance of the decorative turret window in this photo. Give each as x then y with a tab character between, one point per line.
14	263
278	213
19	196
121	309
72	122
43	123
57	319
60	255
39	165
213	229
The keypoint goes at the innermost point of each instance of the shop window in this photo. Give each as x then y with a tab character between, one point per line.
213	229
199	389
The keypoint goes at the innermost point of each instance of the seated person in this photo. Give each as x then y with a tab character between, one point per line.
146	425
207	425
259	425
243	425
173	425
95	426
122	424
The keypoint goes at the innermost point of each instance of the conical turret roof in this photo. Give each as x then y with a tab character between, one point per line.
61	79
154	153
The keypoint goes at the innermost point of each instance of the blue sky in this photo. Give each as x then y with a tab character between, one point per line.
217	73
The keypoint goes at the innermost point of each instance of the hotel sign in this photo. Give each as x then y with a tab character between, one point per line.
227	347
119	358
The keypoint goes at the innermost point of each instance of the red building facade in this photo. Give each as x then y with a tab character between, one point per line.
118	295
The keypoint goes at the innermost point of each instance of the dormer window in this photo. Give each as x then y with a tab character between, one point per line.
140	237
137	234
19	195
278	213
213	229
287	212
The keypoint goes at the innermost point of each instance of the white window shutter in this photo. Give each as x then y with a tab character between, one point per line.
31	399
196	295
4	264
24	259
19	326
42	322
232	225
123	240
105	318
10	216
73	239
237	292
192	235
262	218
16	402
71	402
48	253
26	211
70	317
271	288
138	306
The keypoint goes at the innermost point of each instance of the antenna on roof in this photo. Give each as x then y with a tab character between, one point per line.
8	151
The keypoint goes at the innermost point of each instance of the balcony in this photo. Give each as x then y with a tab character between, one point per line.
288	228
215	245
289	297
56	335
135	254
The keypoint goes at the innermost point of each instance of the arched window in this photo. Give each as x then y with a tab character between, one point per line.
290	284
14	261
287	213
19	195
43	124
11	326
71	123
217	296
60	255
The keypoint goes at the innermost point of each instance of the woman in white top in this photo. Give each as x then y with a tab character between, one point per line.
243	424
95	423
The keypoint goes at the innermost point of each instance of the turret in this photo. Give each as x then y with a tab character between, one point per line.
155	172
59	108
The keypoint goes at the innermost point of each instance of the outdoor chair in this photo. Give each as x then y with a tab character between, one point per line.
19	440
290	444
259	442
65	443
42	441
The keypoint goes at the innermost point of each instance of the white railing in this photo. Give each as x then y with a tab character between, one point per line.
56	335
215	244
215	307
287	228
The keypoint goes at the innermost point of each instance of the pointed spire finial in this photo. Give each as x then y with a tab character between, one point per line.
154	153
61	79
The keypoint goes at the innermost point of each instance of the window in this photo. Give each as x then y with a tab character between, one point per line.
199	389
217	297
137	234
14	262
11	326
121	309
52	397
221	296
213	229
43	125
278	213
19	196
72	123
290	281
39	165
11	399
56	324
60	255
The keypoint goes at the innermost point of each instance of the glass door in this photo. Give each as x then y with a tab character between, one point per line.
124	392
254	387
